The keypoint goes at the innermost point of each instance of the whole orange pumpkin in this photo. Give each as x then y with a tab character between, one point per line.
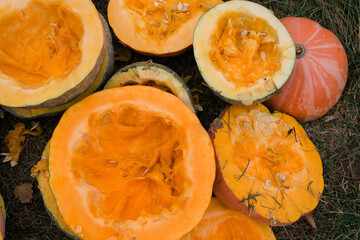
319	75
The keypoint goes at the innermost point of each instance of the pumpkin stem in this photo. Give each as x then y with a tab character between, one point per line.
300	50
310	218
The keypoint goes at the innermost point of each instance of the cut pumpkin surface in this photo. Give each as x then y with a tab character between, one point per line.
131	162
51	51
267	167
154	75
220	222
160	28
2	218
243	51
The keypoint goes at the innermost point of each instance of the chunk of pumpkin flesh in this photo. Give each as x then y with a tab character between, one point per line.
133	162
161	19
227	227
245	49
40	43
270	164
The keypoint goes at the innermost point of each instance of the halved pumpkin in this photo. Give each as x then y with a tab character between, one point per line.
154	75
220	222
162	28
267	167
2	218
131	163
243	52
50	52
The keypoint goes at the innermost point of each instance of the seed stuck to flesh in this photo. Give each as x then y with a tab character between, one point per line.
164	21
156	4
268	182
244	33
180	6
263	56
281	176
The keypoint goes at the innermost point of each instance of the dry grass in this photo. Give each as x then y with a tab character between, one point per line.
338	141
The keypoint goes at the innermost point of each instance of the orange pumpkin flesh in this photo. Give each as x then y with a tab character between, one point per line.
51	51
22	61
319	75
131	162
219	222
162	28
266	166
257	56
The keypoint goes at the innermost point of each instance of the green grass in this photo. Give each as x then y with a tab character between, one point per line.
338	141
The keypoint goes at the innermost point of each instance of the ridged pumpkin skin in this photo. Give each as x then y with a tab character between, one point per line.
2	218
154	75
319	75
52	51
102	77
220	222
267	168
157	28
131	163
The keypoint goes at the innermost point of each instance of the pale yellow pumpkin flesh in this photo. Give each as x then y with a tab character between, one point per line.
243	52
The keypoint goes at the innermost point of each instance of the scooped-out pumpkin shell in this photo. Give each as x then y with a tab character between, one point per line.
154	75
131	162
243	52
267	167
39	71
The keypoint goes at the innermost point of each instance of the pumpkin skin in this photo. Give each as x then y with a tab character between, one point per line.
157	28
319	75
220	222
2	218
66	64
139	211
267	168
154	75
243	52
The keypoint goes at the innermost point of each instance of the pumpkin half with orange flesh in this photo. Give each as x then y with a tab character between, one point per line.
319	75
220	222
51	52
162	28
131	163
243	52
267	167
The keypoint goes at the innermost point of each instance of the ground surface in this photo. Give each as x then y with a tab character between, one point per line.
338	140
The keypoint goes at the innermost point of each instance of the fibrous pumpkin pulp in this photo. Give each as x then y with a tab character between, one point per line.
52	54
320	72
129	163
162	28
243	52
267	167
